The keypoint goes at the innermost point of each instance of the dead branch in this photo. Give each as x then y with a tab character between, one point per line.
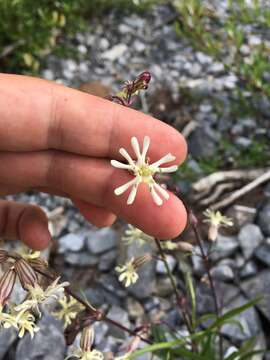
205	184
189	128
244	190
220	189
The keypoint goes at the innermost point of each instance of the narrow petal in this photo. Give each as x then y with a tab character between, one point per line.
122	276
162	191
157	199
167	158
121	189
119	165
126	155
136	148
168	169
132	194
128	282
146	143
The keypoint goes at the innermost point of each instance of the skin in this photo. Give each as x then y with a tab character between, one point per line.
59	140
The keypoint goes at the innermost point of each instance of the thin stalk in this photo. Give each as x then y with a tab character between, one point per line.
210	278
174	286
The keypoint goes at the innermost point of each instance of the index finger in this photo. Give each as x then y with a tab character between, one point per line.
38	115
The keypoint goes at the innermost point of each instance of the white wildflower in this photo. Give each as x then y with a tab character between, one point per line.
133	234
25	322
128	273
143	172
37	296
68	311
216	220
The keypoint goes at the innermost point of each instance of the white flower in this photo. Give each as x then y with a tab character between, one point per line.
25	321
133	234
216	220
128	274
69	310
37	296
143	172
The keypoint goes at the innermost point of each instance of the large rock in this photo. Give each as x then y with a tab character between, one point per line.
259	286
71	242
7	338
263	253
99	241
48	343
250	237
121	316
264	219
224	247
248	320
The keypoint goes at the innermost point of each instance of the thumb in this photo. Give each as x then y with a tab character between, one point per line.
24	222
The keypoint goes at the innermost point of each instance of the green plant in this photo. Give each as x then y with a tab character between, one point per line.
30	29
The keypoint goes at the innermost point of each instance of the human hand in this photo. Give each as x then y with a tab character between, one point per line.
59	140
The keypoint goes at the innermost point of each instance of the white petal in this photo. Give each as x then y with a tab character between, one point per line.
121	189
132	194
119	165
157	199
167	158
146	143
168	169
126	155
136	148
162	191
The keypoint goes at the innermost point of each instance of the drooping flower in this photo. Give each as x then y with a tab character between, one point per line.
68	311
133	234
128	274
37	296
216	220
143	172
25	322
128	271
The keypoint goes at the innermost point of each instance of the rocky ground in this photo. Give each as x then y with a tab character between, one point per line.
111	51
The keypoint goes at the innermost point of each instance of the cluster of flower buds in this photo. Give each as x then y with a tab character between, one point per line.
85	352
26	269
131	89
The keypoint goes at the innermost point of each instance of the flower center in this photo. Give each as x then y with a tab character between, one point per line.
145	172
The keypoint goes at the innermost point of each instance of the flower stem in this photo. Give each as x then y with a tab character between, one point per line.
174	286
100	316
210	278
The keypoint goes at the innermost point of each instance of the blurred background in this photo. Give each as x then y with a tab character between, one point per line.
209	61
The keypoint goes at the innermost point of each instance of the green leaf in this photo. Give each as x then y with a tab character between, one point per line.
234	312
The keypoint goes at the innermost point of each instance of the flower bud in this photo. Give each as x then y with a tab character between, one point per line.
39	264
213	232
145	78
87	338
141	260
184	246
7	283
26	273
